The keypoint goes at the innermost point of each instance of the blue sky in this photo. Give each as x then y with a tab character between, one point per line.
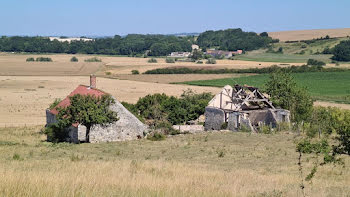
107	17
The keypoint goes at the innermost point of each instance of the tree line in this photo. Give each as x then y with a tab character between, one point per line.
138	44
133	44
234	39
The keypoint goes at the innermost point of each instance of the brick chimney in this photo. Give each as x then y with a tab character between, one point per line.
92	81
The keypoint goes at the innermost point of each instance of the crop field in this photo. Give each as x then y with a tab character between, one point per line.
309	34
16	65
208	164
328	86
23	99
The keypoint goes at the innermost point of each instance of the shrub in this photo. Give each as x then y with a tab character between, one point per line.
74	59
30	59
199	62
43	59
314	62
211	61
156	136
108	73
170	60
135	72
55	103
152	60
224	126
93	59
16	157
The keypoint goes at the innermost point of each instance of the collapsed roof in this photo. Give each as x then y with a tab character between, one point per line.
240	98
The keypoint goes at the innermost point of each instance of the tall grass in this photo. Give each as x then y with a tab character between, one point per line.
211	164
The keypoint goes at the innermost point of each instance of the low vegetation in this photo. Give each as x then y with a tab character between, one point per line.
313	62
152	60
74	59
93	59
135	72
170	60
162	111
211	61
43	59
271	69
30	59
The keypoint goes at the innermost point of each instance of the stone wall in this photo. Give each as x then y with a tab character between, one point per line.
214	118
189	128
128	127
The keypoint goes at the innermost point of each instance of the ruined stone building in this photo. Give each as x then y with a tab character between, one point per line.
128	127
242	106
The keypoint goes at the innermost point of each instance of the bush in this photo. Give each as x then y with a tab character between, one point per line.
224	126
314	62
211	61
199	62
74	59
30	59
170	60
135	72
108	73
152	60
93	59
156	136
43	59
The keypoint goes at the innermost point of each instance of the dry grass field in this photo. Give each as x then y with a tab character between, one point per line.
208	164
124	65
309	34
23	99
16	65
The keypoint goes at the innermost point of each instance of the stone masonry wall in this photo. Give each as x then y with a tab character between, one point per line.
214	118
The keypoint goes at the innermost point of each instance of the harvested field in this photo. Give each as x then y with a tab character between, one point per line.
16	65
171	78
124	65
309	34
23	99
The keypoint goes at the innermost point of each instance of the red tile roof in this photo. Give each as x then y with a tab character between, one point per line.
81	89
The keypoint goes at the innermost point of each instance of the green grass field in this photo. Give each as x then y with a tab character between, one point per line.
328	86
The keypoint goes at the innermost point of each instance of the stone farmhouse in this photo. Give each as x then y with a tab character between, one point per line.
128	127
242	106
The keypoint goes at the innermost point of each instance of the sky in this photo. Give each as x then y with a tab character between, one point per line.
108	18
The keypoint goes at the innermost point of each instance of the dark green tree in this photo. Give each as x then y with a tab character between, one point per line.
87	110
341	52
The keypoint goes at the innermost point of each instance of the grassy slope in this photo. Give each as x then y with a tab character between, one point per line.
189	165
290	50
333	86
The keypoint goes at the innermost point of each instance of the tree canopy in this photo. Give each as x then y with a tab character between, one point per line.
286	94
233	39
341	52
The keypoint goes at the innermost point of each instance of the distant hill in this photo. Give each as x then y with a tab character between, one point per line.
309	34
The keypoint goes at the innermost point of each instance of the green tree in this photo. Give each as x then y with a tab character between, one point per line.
87	110
286	94
341	52
74	59
197	54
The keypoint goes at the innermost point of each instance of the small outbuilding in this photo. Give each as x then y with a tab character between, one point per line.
128	127
242	106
